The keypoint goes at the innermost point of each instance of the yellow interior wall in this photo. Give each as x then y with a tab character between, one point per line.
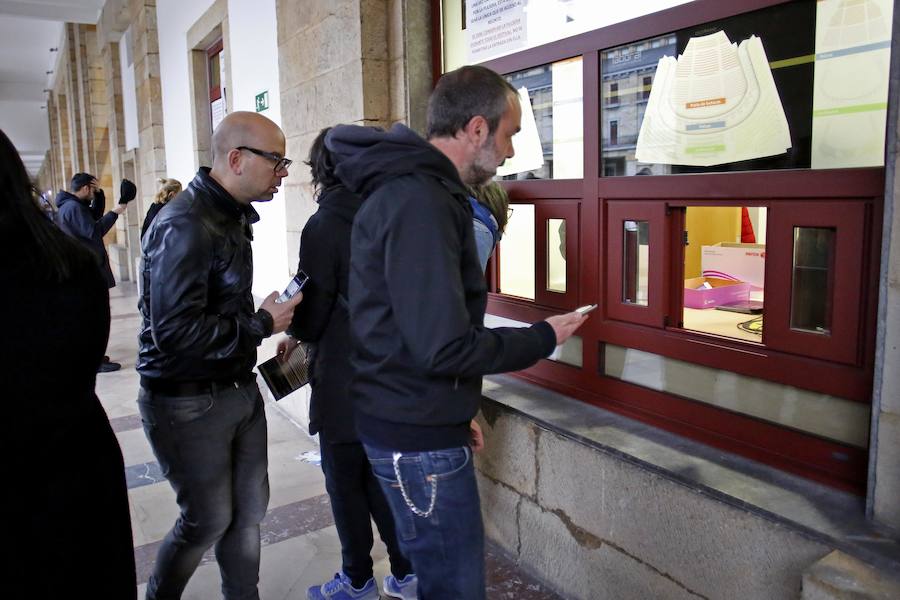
707	226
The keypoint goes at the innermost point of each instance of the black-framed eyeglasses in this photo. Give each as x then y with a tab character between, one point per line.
281	163
509	213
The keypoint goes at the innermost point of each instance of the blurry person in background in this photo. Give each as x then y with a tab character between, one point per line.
78	216
168	189
71	524
490	208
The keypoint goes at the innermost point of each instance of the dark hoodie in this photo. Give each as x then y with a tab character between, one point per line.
322	316
80	220
418	295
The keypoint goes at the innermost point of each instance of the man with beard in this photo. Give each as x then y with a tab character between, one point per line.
417	302
81	215
199	402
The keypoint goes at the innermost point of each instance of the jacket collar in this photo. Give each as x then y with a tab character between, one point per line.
222	200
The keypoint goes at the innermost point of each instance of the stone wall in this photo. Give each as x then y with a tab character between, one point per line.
595	526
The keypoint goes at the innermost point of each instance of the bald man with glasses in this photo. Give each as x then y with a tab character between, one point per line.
199	402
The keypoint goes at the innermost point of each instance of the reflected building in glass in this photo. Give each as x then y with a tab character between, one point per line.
626	77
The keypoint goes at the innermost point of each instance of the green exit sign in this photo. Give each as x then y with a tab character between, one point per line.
262	101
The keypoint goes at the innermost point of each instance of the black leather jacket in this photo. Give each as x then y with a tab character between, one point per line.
199	322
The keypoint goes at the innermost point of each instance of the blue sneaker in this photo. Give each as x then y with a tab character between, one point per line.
340	588
401	588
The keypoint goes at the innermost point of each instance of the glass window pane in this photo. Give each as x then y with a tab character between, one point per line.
820	414
812	289
517	253
555	91
635	262
798	85
569	352
556	255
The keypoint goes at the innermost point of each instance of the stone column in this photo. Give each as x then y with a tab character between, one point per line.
69	63
81	86
346	61
884	449
409	52
114	20
65	146
53	176
98	120
115	122
149	98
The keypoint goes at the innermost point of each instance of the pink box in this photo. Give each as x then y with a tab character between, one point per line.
722	292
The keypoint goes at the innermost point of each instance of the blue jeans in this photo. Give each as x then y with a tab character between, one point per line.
212	449
446	547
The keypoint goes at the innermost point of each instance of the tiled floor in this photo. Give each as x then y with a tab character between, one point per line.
300	546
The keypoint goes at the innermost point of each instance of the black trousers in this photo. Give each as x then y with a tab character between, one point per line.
356	500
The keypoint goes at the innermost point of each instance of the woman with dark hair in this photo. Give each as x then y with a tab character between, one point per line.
323	318
72	528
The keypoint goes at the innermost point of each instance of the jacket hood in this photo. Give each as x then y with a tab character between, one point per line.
63	197
340	201
366	157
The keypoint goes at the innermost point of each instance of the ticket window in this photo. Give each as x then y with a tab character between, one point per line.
724	271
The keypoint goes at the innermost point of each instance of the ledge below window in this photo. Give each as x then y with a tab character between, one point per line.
833	517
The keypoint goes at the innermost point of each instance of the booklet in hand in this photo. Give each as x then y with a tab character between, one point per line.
283	376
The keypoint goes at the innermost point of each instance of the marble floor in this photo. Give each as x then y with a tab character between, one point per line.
300	545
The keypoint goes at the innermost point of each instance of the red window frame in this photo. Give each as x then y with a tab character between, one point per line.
568	210
826	461
653	314
215	92
848	220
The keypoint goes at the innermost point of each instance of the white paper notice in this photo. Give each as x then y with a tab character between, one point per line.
853	54
529	155
494	28
715	104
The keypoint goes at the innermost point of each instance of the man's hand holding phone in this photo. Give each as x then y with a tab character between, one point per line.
281	306
282	312
565	325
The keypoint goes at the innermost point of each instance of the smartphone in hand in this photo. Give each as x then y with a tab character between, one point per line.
293	288
583	310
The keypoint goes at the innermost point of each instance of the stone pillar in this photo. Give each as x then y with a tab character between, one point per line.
409	52
53	178
65	145
98	118
884	449
115	122
68	63
81	86
149	98
885	467
114	20
346	61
